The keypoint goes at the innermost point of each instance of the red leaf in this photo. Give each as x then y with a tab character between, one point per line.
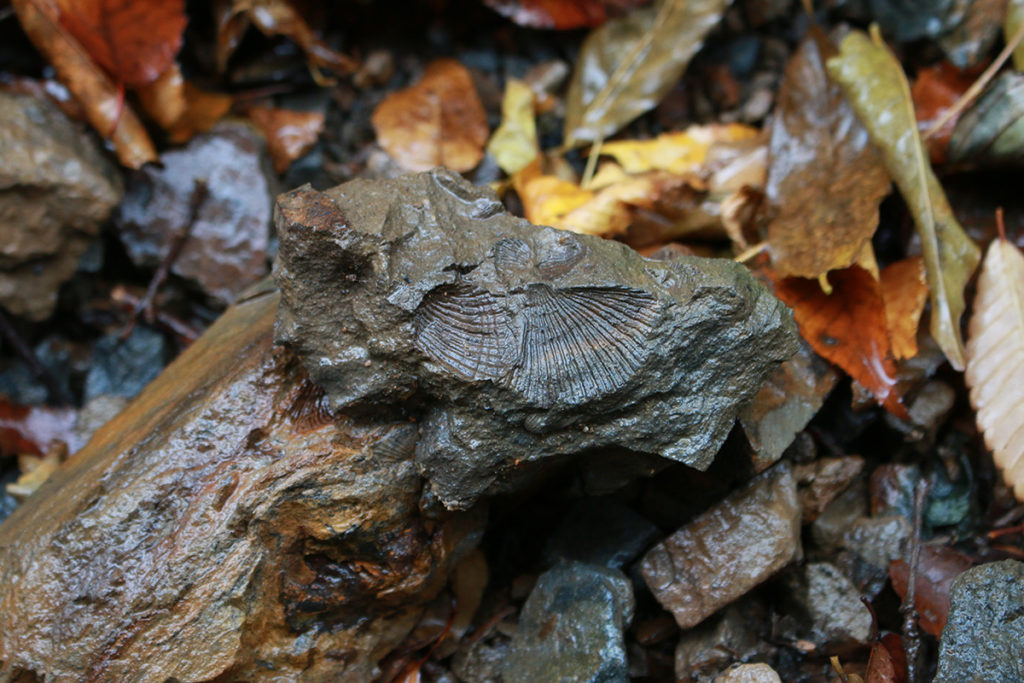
559	14
30	429
888	662
133	40
936	89
936	569
848	328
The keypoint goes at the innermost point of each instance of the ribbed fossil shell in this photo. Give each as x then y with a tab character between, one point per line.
573	344
465	329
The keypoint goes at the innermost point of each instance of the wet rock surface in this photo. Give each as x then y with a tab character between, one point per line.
226	524
727	636
828	608
571	627
122	367
519	342
225	229
749	673
56	189
984	635
600	531
728	550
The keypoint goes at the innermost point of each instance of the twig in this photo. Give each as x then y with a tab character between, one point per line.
972	92
911	634
54	391
171	323
146	304
751	252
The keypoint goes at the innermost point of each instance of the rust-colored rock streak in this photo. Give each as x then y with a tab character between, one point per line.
224	525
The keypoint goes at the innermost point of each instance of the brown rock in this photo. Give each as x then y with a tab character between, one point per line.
822	480
728	550
56	188
225	525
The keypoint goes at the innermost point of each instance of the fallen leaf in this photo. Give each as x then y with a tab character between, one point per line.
991	133
935	91
1014	18
35	470
904	291
439	121
626	66
887	663
273	18
202	111
681	152
995	359
559	14
30	429
99	96
825	179
972	32
873	81
164	99
936	569
290	134
135	41
847	327
514	144
547	198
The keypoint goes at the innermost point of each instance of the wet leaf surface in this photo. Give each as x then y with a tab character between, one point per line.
936	570
559	14
904	292
825	179
290	134
627	65
438	121
992	131
877	89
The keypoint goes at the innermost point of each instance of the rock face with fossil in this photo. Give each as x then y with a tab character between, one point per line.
508	342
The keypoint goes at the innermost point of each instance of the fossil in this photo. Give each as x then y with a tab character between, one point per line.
511	343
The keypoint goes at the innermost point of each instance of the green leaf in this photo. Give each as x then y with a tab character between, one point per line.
873	81
628	65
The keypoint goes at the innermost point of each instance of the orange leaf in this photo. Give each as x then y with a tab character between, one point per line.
439	121
133	40
100	97
202	110
554	14
848	328
290	134
905	291
164	99
937	89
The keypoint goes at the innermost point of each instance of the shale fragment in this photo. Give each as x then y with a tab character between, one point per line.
512	342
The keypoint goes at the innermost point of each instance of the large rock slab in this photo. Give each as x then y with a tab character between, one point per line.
514	342
730	549
225	526
984	635
56	189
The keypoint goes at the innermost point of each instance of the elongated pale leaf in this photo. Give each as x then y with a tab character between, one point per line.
1014	18
995	359
514	144
873	81
627	65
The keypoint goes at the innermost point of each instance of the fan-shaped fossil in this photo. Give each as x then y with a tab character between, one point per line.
509	342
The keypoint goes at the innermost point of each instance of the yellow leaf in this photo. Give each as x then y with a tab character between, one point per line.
514	144
547	198
995	359
682	152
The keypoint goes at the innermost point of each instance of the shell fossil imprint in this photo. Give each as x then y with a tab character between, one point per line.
562	346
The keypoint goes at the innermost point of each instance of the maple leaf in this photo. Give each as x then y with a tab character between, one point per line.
135	41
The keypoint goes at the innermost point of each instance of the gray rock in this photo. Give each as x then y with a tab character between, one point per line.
983	640
124	367
600	531
831	614
226	249
728	550
571	627
732	634
56	189
749	673
878	540
518	342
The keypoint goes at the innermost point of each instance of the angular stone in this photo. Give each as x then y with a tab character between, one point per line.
732	634
122	367
828	608
571	627
600	531
749	673
226	248
226	526
56	189
984	635
515	342
728	550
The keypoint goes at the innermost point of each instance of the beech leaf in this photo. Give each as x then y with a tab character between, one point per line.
847	327
992	131
904	291
133	40
557	14
438	121
514	144
876	87
628	65
290	134
825	179
90	85
995	359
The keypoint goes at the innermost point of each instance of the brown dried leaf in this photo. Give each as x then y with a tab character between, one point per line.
90	85
905	291
995	359
290	134
559	15
202	111
936	569
825	178
439	121
164	99
887	663
847	327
